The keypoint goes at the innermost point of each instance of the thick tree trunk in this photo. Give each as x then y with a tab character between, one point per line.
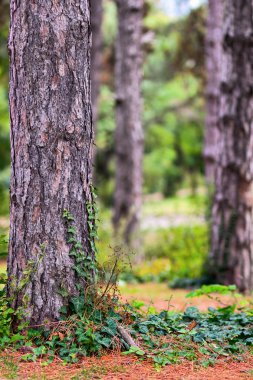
96	54
232	224
213	67
51	143
129	133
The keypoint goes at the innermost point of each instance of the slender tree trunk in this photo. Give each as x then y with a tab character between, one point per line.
51	142
96	54
213	67
232	219
129	133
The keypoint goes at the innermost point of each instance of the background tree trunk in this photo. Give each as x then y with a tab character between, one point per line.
129	133
51	143
232	224
213	68
96	54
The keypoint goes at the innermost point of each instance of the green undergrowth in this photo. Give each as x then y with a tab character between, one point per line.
172	255
94	320
183	204
3	245
167	337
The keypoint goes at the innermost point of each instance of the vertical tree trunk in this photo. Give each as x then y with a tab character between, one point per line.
96	54
129	133
232	224
213	67
51	143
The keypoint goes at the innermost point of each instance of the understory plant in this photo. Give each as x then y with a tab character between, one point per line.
96	320
165	338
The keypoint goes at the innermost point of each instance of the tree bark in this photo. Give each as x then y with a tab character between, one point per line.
213	68
129	132
51	145
232	214
96	54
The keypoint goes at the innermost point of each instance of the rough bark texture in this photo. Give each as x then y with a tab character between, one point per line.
96	54
232	224
129	133
213	68
51	142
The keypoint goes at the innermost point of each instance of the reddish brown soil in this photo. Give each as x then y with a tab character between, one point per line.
163	298
119	367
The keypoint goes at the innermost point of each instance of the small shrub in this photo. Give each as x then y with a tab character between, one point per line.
157	270
185	247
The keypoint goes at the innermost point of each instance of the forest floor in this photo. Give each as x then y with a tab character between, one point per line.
157	214
117	366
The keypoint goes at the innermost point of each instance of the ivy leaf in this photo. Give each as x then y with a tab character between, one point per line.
134	350
78	304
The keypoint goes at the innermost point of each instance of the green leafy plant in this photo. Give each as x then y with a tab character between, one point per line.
9	367
3	246
208	290
93	320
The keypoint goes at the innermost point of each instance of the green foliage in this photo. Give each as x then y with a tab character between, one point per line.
10	315
105	145
90	325
3	246
173	119
4	26
220	332
210	289
85	265
189	52
176	110
135	350
184	247
7	315
9	367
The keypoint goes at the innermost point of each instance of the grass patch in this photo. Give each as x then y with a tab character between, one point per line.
171	255
180	204
9	367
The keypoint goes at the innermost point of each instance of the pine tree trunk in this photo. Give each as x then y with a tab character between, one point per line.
51	143
129	133
213	67
96	54
232	224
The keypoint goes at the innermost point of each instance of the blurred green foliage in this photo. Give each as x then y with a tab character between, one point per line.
4	114
185	247
173	112
175	255
172	253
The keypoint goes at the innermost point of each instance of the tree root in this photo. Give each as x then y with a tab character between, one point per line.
126	336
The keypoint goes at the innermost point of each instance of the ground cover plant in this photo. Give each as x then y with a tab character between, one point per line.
99	321
103	322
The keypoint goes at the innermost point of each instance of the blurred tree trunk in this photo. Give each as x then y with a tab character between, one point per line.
129	132
213	67
51	144
232	214
96	54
